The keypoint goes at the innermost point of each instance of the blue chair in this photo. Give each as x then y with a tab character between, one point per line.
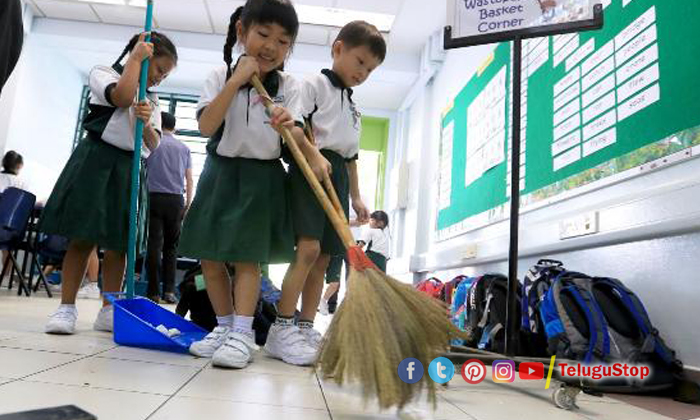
16	208
46	249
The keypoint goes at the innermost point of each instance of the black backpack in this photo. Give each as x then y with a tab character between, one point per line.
486	313
197	303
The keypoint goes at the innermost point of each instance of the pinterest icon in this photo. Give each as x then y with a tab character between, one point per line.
473	371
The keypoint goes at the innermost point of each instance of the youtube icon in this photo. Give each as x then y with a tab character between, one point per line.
531	371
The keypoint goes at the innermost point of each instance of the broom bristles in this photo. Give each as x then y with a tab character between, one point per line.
380	323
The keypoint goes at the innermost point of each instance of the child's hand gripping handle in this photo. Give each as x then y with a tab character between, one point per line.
336	219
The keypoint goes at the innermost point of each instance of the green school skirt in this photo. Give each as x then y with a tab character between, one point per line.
378	259
90	201
307	214
240	213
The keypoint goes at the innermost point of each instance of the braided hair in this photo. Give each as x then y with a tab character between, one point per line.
280	12
162	46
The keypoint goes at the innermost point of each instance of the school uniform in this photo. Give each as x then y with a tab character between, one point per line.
240	212
91	199
377	241
335	122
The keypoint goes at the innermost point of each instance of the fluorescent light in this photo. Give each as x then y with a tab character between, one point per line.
330	16
135	3
119	2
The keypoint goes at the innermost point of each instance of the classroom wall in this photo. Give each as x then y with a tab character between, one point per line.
40	111
649	225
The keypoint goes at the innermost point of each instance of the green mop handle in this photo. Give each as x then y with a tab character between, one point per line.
136	168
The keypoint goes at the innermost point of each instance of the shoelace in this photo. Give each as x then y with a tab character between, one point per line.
293	335
313	335
64	315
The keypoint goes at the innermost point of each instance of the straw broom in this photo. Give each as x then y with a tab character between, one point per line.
381	321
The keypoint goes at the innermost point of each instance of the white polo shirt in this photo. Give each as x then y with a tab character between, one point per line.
377	240
115	125
335	120
246	130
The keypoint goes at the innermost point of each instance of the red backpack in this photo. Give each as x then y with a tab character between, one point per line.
432	287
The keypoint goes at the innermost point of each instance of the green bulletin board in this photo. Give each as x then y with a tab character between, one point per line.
594	104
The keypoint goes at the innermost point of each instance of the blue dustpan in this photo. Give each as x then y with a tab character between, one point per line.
135	322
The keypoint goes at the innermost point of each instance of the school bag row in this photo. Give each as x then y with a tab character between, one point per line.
564	313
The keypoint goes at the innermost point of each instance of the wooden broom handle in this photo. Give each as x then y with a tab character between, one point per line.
327	182
340	226
334	197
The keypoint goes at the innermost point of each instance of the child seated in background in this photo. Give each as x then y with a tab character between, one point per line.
377	239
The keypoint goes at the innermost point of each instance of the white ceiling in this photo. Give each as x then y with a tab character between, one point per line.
198	27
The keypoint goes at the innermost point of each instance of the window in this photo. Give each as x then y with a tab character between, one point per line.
184	107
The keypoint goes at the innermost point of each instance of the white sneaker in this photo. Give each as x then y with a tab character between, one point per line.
323	307
62	321
313	337
105	319
288	343
89	291
208	346
237	351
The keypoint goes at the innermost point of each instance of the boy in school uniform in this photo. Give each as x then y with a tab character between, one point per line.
326	101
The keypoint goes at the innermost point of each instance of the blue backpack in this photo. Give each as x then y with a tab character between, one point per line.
634	339
458	309
573	321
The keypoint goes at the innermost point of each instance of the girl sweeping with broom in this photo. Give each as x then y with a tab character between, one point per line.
89	204
240	212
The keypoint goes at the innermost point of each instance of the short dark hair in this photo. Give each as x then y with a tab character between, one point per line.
168	121
11	162
380	216
360	33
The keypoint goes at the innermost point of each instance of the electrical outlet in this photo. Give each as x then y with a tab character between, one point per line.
469	252
582	225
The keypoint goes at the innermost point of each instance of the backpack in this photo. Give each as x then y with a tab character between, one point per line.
432	287
486	312
451	287
633	338
537	282
458	309
573	321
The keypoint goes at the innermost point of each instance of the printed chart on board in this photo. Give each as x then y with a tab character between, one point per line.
594	104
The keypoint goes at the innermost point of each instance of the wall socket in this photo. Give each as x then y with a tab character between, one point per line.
582	225
469	252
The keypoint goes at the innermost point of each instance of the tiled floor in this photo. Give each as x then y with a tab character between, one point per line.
112	382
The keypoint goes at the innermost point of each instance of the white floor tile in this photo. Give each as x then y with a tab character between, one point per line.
494	406
250	387
594	411
186	408
270	366
121	375
153	356
16	363
82	344
346	402
105	404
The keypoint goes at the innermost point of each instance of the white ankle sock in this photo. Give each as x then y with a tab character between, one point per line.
68	307
225	321
243	324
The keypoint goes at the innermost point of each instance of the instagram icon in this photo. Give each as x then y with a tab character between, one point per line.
503	371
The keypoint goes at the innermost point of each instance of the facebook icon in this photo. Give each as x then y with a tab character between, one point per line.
410	370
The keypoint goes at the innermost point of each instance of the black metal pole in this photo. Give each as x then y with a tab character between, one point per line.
512	321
